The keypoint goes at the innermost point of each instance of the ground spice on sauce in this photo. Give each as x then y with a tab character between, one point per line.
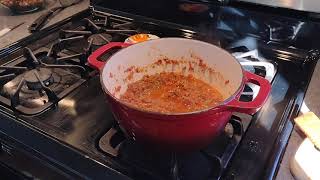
171	93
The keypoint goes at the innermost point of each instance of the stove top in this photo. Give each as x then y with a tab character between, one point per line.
52	104
36	81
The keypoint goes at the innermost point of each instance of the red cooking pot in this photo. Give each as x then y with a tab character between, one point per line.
176	131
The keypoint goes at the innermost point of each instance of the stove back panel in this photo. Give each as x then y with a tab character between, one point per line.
175	11
303	5
209	19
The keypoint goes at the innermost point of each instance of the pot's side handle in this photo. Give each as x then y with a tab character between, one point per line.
93	59
252	106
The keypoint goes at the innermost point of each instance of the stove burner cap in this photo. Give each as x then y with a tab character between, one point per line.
32	81
100	39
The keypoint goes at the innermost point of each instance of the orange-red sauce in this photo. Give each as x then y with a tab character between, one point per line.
171	93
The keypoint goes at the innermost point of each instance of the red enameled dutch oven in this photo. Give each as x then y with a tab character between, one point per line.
176	131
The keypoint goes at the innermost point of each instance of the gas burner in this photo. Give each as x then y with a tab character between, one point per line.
46	57
211	161
100	39
100	30
32	78
39	80
93	33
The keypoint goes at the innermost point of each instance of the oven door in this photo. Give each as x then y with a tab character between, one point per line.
20	163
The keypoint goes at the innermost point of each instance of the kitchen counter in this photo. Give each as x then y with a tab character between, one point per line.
312	98
8	19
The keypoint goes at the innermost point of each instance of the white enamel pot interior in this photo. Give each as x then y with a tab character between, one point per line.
203	60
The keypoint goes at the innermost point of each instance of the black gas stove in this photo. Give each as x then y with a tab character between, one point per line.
54	117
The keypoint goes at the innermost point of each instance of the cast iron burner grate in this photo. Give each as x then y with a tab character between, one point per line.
251	61
99	31
34	82
210	162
